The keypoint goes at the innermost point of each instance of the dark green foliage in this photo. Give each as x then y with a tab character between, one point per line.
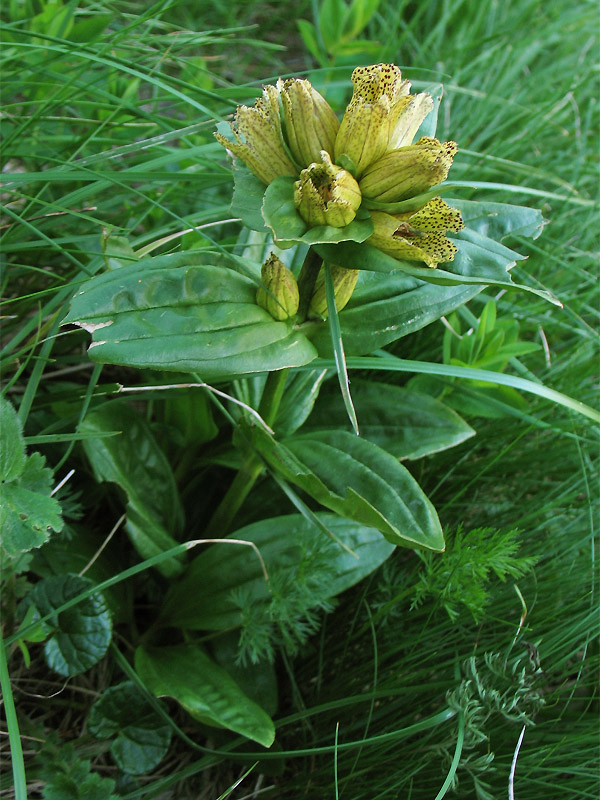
464	576
68	776
446	659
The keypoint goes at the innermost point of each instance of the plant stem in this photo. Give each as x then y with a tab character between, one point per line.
252	465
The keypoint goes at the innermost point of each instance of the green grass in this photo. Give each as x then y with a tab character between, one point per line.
115	129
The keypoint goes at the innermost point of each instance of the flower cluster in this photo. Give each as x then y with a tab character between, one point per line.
292	131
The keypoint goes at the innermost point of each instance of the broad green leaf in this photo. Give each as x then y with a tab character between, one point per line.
498	220
248	192
258	681
385	308
137	464
358	480
27	513
12	446
204	598
174	313
80	635
80	551
142	736
300	395
206	691
288	227
479	261
404	423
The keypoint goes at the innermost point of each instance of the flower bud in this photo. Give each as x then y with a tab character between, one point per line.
344	281
280	293
408	171
259	141
326	194
310	123
418	235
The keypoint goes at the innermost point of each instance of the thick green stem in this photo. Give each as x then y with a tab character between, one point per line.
306	282
252	465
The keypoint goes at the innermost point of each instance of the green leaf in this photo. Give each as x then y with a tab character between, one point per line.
337	345
429	125
68	777
206	691
12	446
309	37
28	514
174	313
498	220
137	464
384	308
248	192
205	597
117	250
258	681
404	423
331	22
288	227
358	480
142	736
301	392
479	261
78	552
80	635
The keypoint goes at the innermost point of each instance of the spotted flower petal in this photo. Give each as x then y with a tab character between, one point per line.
259	141
418	235
379	95
408	171
310	123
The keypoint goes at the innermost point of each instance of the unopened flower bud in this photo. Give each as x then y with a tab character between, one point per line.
280	293
418	235
344	281
326	194
310	123
408	171
259	142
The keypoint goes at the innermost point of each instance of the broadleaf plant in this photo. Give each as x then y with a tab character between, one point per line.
347	248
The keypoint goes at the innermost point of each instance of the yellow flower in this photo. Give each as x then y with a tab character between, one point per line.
326	194
408	171
310	123
418	235
259	141
343	279
380	116
280	295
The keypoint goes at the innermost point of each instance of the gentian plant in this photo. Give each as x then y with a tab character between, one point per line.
356	249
